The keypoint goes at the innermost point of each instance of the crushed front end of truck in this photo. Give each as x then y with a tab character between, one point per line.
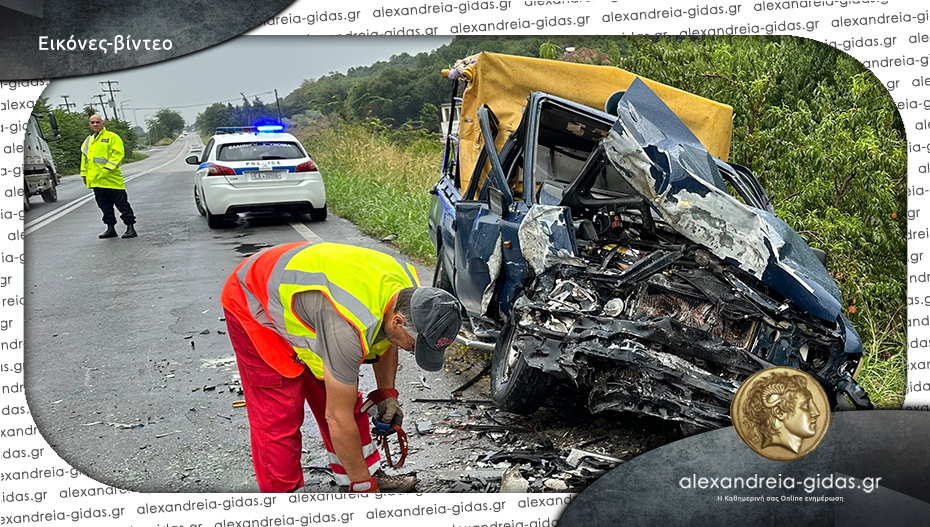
664	301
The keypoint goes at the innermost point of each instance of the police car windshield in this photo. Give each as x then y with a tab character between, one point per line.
258	151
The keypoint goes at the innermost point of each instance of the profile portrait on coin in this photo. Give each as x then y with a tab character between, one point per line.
780	411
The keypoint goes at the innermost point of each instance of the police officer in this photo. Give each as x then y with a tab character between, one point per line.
101	155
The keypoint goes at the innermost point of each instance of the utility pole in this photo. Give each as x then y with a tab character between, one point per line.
109	89
123	110
68	105
248	110
278	102
102	105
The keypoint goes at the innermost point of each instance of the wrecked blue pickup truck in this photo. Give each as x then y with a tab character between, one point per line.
611	250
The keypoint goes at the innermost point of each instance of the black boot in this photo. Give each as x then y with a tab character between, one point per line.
130	232
110	233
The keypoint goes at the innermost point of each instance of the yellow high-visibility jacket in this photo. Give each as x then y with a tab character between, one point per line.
100	160
359	282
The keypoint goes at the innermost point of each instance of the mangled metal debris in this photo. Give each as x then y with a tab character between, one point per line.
513	481
577	456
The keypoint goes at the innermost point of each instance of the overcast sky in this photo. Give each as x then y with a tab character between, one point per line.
251	64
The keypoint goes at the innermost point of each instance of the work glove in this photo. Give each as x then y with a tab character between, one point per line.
389	412
370	485
388	408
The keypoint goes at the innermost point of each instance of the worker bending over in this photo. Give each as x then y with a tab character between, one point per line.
302	318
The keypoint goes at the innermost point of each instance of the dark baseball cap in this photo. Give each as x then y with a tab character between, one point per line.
437	316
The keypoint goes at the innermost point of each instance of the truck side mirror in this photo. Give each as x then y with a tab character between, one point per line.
53	123
821	255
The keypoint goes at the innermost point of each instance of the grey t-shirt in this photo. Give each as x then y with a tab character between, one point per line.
337	341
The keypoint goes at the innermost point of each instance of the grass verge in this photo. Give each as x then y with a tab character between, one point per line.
883	372
379	181
133	157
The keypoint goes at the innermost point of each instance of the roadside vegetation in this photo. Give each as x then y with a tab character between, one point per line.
379	179
135	156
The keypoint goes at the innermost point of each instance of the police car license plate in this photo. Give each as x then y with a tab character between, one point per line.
267	175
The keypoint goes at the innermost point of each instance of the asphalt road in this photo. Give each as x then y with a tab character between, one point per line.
131	378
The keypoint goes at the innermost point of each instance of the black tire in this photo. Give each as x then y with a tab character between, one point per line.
515	386
688	429
318	214
215	221
51	195
200	209
440	278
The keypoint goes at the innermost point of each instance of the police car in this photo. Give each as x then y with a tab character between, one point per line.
256	169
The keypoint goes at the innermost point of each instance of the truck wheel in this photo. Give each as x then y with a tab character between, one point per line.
515	386
440	278
51	195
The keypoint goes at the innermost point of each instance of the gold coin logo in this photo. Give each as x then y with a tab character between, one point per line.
781	413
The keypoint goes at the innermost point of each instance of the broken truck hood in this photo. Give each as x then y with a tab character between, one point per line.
660	157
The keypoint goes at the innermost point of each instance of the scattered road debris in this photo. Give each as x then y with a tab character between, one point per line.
513	481
576	457
424	427
218	363
126	426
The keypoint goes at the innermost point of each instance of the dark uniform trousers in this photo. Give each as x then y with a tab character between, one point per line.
107	198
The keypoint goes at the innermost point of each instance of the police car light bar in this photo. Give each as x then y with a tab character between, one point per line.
265	128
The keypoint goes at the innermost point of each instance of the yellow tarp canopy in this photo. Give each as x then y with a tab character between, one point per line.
503	82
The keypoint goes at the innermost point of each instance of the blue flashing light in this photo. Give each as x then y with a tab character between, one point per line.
262	128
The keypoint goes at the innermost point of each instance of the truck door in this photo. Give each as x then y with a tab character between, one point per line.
478	259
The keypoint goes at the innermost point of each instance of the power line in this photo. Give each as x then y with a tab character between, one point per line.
68	105
197	105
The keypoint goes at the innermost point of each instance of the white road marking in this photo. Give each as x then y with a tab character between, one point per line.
42	221
305	231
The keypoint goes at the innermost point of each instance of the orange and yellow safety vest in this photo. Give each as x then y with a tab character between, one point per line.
359	282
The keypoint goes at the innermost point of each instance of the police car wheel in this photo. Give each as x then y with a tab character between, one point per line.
215	221
318	214
199	204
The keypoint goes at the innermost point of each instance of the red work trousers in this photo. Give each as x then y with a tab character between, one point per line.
275	406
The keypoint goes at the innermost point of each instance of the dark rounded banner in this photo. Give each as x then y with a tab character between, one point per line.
64	38
872	468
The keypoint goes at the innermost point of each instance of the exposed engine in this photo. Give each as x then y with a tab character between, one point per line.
653	323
